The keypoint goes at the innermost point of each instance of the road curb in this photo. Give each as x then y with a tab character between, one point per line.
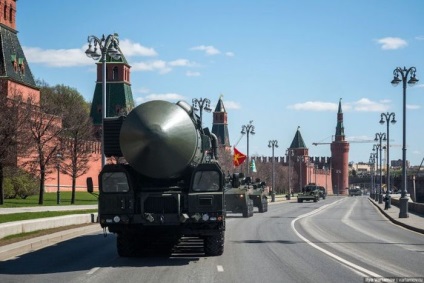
416	229
18	227
22	247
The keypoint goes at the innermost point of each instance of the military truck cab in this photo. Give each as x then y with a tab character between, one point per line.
309	193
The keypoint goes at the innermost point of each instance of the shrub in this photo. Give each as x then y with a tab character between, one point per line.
19	183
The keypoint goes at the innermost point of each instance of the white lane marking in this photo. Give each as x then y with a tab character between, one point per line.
336	257
220	268
93	270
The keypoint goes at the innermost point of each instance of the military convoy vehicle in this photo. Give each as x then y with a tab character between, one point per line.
242	195
322	192
309	192
167	183
355	191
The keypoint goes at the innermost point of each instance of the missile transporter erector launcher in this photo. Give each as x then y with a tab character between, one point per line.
167	184
242	195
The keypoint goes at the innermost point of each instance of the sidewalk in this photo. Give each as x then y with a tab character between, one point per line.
11	210
414	222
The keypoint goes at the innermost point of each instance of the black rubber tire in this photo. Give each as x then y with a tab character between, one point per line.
214	245
246	211
251	207
126	245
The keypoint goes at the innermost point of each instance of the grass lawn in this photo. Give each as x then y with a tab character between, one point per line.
50	199
43	214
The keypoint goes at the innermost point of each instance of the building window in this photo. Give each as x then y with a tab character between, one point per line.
115	74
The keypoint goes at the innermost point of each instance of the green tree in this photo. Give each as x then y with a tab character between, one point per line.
77	135
13	130
45	127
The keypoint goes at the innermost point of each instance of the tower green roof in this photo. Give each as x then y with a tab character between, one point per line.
298	140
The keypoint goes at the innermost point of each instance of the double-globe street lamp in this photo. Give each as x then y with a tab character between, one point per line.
372	164
404	73
248	129
272	144
376	148
200	104
102	47
290	154
58	158
387	116
379	137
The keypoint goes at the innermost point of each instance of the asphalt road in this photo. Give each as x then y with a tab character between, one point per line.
334	240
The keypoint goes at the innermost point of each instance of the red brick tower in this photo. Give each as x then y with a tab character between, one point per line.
8	13
340	157
300	160
220	125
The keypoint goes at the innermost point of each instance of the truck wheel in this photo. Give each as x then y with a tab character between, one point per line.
214	245
125	245
251	208
265	204
246	211
315	199
261	207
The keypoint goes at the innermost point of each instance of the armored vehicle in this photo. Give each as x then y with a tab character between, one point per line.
309	192
241	195
322	192
167	183
355	191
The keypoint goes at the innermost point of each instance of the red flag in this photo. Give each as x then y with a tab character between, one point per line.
238	158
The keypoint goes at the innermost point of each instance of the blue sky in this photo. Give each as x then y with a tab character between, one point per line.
282	64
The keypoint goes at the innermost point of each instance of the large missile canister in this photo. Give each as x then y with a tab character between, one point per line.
160	140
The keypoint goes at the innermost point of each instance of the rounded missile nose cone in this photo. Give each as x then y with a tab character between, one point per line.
159	139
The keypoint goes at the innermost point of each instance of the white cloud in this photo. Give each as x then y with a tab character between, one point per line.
181	63
192	74
315	106
229	54
231	105
392	43
367	105
419	37
174	97
130	48
362	105
76	57
57	57
412	107
142	90
209	50
158	65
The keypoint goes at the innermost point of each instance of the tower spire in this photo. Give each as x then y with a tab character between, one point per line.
340	136
220	124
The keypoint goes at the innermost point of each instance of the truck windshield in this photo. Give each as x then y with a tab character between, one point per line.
206	181
114	182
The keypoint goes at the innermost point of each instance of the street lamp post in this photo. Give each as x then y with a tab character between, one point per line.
204	103
248	129
107	46
387	116
301	159
380	137
58	157
403	202
290	154
372	177
376	149
272	144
